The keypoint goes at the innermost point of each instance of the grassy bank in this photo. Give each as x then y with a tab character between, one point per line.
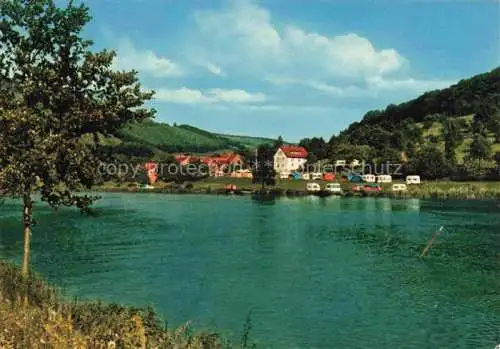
48	322
456	190
426	190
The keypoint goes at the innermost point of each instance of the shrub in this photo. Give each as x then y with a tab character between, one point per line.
47	322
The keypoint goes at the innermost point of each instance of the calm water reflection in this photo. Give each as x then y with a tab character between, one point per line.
315	273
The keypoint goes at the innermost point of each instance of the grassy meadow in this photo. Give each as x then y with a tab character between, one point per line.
436	131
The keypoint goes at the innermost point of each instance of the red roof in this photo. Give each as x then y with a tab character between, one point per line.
293	151
224	159
151	166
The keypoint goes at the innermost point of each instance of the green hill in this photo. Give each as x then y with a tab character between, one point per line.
151	139
410	126
248	141
449	133
182	138
460	99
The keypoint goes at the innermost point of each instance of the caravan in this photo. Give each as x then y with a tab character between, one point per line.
413	180
316	176
369	178
399	187
333	188
384	179
313	187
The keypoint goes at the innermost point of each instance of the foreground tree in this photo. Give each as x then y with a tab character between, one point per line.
55	95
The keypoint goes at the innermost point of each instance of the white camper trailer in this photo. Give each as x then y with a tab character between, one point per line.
369	178
413	180
399	187
313	187
384	179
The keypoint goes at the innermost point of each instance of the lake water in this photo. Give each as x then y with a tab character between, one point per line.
313	273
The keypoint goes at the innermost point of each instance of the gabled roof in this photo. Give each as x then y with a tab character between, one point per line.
294	151
224	159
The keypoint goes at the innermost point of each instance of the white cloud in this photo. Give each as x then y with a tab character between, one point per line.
418	86
245	41
282	80
186	95
145	61
241	28
183	95
339	91
214	69
271	108
236	96
371	87
242	41
244	38
347	55
250	107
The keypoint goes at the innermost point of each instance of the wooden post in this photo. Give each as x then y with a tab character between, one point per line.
431	241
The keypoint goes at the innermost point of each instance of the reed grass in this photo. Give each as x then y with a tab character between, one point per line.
48	321
443	190
456	190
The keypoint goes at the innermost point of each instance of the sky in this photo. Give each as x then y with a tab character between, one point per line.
293	68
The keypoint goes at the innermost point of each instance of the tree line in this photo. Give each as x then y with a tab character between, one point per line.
396	134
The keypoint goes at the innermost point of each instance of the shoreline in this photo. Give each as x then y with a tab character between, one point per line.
431	191
48	319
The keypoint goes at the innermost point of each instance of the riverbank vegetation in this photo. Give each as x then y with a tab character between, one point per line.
426	190
48	321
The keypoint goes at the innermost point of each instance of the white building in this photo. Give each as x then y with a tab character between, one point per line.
289	158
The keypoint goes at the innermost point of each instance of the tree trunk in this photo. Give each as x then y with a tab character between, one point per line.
27	215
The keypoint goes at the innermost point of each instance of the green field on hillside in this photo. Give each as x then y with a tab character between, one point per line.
161	139
436	131
248	141
176	138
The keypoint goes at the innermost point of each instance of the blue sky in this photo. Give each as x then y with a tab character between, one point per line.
293	68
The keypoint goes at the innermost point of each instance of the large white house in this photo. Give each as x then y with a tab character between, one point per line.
289	158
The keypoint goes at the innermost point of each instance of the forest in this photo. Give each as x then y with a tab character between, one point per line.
450	133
